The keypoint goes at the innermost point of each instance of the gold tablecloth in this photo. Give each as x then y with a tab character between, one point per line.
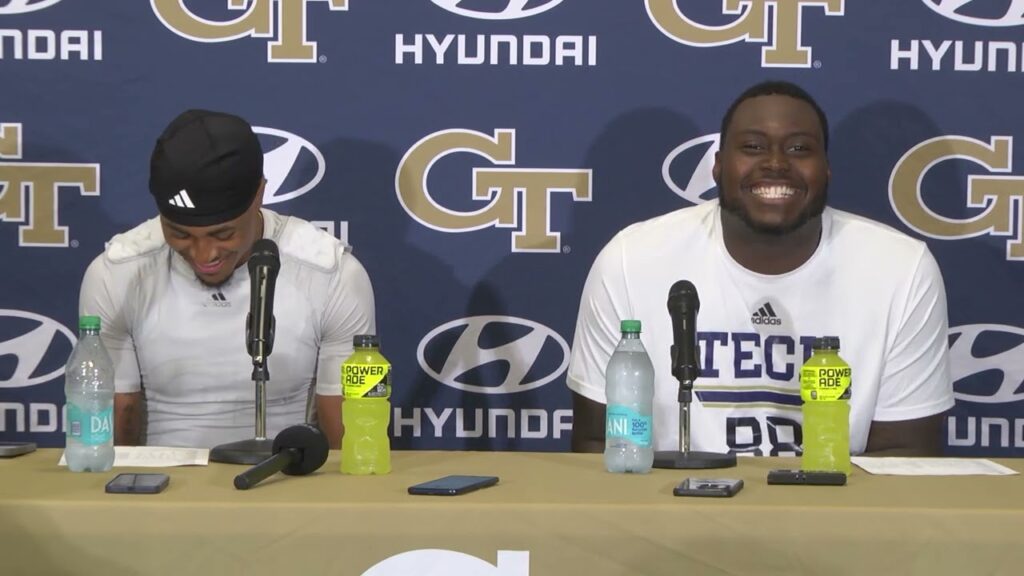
562	510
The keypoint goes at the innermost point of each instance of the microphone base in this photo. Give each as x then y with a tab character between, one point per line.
252	451
693	460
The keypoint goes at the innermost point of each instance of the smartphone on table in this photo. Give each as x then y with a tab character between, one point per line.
453	485
714	487
131	483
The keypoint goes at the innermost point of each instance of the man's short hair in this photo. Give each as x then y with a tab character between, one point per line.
206	168
771	88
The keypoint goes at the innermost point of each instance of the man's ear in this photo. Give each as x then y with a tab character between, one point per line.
716	172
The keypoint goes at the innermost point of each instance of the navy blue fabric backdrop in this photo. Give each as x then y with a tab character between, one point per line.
478	153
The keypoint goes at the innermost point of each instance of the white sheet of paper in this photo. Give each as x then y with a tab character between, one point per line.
156	456
931	466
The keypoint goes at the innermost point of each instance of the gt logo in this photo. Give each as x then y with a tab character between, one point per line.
786	49
1013	15
23	6
454	350
37	184
508	9
499	185
285	154
291	44
1001	197
991	378
34	341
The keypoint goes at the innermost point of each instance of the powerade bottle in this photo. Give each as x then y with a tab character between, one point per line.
366	409
89	389
629	388
825	390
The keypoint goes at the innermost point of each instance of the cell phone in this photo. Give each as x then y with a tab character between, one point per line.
807	477
453	485
12	449
714	487
129	483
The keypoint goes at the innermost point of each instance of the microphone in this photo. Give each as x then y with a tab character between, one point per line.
264	263
298	450
683	305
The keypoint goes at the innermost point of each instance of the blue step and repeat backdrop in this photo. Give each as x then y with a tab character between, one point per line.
478	153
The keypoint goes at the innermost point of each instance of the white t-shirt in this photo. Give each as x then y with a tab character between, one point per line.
875	288
183	342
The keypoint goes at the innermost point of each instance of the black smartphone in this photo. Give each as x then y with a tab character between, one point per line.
12	449
453	485
129	483
714	487
807	477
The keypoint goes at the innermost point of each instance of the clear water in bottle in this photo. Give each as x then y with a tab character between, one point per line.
89	388
629	388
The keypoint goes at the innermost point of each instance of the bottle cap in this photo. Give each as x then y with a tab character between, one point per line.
630	326
89	323
826	343
365	341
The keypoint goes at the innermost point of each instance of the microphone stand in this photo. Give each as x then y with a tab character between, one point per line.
684	459
258	449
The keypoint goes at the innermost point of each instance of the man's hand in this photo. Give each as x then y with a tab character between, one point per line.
128	413
920	437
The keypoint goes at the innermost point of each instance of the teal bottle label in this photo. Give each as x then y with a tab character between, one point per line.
90	429
623	422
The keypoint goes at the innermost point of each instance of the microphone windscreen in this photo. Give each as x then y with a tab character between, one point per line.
683	296
310	443
264	253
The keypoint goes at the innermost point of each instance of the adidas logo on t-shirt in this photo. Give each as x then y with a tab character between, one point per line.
766	316
219	300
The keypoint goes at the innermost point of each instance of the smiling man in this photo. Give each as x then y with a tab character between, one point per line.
173	295
775	267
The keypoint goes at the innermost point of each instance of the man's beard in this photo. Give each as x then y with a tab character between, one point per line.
811	211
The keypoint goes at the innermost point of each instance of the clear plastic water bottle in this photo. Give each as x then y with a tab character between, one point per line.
825	390
366	409
89	388
629	388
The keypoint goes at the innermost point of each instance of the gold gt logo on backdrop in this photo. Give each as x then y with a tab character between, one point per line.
1000	197
36	185
257	22
786	49
499	185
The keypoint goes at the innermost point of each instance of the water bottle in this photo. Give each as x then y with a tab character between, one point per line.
825	390
89	388
629	388
366	409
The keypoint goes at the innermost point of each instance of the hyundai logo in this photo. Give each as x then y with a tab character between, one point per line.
38	346
694	160
23	6
493	354
980	12
291	165
499	9
993	377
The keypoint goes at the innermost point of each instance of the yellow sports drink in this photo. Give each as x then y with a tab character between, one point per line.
825	390
366	409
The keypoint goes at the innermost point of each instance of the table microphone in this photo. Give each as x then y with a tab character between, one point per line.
683	305
298	450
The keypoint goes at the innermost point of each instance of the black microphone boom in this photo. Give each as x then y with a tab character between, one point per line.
298	450
264	264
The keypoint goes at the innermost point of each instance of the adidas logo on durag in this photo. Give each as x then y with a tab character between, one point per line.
766	316
181	200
